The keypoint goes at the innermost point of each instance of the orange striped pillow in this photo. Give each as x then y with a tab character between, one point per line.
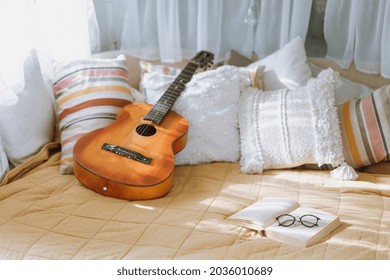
365	127
89	94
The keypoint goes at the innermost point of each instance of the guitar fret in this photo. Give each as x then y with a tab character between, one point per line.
165	103
186	76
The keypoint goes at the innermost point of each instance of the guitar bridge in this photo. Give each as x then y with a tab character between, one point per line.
127	153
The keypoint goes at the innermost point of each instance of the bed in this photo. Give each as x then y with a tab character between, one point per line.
49	215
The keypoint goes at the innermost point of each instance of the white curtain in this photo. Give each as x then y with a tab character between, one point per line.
279	22
359	31
174	29
56	29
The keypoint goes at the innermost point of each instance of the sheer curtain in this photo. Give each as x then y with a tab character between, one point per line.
279	22
174	29
359	31
57	30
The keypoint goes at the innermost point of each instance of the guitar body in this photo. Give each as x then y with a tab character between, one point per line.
133	158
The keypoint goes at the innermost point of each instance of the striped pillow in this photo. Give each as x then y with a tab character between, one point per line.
89	94
365	126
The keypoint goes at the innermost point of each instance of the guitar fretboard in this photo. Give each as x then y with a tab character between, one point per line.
165	103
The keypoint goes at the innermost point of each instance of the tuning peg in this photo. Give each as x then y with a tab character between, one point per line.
208	65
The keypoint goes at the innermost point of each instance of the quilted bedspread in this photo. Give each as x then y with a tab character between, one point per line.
50	216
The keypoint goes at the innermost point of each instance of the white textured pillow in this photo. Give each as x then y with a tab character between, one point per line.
249	77
347	90
29	124
3	162
287	128
287	67
210	105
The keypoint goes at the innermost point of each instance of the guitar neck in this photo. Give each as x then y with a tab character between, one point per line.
165	103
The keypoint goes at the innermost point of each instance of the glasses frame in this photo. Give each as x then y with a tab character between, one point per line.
297	219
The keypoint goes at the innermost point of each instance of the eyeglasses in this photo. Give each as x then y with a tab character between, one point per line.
308	220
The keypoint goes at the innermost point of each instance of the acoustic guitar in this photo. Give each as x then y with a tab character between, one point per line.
133	158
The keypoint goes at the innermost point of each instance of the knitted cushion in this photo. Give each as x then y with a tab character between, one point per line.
210	105
365	127
287	128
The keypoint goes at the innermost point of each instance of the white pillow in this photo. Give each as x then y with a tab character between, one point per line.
286	67
287	128
249	77
210	105
347	90
29	124
3	162
7	96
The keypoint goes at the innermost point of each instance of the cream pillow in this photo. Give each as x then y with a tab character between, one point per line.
29	124
210	105
287	67
290	127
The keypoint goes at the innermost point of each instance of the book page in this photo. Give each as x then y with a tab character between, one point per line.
263	213
298	234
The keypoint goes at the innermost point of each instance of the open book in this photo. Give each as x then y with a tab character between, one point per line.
262	215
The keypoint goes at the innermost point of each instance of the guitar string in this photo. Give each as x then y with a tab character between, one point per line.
156	114
185	75
171	93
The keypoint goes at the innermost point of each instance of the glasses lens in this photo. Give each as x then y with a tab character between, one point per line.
309	220
286	220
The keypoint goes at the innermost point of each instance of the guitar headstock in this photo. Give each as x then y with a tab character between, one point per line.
204	59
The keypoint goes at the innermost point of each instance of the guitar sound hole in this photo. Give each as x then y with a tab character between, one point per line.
146	130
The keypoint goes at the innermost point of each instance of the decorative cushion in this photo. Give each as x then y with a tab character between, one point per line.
365	127
347	90
287	67
210	105
164	70
249	77
3	162
89	94
8	96
149	67
133	65
287	128
29	124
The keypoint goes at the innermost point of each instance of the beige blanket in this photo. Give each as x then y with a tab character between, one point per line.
50	216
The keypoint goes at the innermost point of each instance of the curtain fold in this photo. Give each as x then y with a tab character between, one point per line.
168	28
171	30
359	31
280	22
57	30
139	35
